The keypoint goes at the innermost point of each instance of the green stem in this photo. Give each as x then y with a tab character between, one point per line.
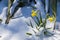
8	16
54	9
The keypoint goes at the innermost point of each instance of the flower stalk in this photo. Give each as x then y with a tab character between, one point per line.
8	15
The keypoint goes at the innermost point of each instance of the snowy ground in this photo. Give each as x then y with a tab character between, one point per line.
16	29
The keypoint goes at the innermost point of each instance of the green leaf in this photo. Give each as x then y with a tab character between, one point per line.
31	24
41	19
35	21
12	2
21	4
0	19
34	31
54	7
27	23
38	20
54	13
8	15
41	24
9	5
47	16
15	10
7	20
28	33
38	28
48	28
45	32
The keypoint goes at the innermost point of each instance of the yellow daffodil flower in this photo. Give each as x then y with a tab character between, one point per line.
34	13
51	19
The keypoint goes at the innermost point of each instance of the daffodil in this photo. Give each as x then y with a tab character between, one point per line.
51	19
34	13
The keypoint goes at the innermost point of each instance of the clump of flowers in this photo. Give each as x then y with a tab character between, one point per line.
40	23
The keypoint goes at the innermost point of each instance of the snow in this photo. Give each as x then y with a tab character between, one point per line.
17	28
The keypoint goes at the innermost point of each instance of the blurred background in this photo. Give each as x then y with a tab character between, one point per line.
4	3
